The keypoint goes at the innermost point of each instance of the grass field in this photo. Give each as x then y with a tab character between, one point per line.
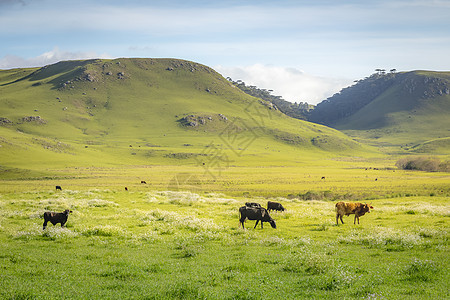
109	124
158	242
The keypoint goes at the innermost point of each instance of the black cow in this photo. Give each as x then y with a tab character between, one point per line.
58	187
252	204
274	206
56	218
143	181
256	213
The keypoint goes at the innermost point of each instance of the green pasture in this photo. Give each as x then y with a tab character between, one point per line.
107	125
350	178
145	244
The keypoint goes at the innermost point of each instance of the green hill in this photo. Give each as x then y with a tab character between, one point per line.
145	112
401	109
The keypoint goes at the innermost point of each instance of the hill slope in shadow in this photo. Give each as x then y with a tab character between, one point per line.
402	109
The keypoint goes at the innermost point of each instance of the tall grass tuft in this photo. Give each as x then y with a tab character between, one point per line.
51	232
307	261
381	236
104	230
421	270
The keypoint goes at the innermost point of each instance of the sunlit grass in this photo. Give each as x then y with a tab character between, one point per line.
168	244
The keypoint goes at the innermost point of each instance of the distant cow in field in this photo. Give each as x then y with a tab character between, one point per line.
274	206
58	187
252	204
348	208
323	177
56	218
143	181
126	189
256	213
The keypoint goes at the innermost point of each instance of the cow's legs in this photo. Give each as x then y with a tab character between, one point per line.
262	224
256	224
45	224
242	222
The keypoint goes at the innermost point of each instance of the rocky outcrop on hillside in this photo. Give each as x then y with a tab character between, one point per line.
425	86
36	119
199	120
4	121
27	119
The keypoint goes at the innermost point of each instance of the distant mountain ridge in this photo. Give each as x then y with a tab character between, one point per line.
413	89
399	108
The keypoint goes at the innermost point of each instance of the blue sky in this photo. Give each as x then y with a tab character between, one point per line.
303	50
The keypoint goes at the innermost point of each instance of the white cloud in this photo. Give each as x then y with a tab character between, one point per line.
50	57
292	84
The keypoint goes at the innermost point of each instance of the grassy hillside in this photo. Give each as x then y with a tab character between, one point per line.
146	112
404	110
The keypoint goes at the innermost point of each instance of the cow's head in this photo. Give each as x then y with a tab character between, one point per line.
367	207
67	212
273	224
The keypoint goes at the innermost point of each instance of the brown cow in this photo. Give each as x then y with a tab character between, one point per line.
348	208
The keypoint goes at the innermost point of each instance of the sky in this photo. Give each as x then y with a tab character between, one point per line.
304	50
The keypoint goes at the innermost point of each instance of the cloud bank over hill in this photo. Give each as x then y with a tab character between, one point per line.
292	84
47	58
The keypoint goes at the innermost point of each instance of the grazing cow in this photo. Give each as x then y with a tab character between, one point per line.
126	189
252	204
274	206
58	187
323	177
143	181
56	218
359	209
256	213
